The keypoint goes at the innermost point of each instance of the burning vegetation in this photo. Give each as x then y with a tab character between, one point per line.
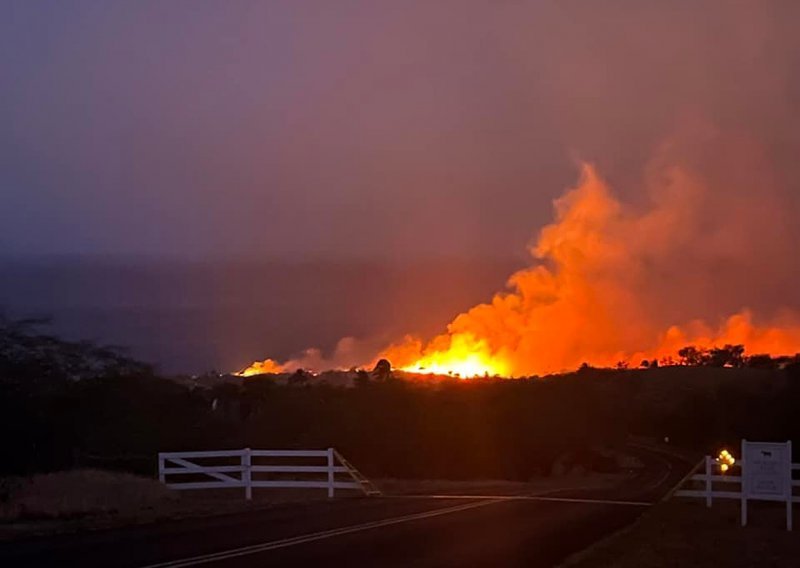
592	296
441	428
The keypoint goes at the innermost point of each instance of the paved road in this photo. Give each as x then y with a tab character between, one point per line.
425	531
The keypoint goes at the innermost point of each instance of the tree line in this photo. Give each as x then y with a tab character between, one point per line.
69	405
732	356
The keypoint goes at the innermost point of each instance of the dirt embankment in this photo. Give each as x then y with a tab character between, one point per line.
684	532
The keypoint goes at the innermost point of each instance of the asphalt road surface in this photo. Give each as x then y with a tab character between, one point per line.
426	531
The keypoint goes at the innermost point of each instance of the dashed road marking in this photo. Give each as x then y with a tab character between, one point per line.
292	541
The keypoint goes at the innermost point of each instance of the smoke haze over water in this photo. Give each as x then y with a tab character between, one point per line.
195	317
304	130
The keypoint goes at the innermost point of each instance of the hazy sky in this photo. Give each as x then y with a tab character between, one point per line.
294	128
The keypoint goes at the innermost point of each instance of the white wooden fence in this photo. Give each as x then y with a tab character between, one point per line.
709	478
246	468
712	475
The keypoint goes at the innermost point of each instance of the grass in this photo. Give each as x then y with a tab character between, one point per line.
80	493
90	499
685	533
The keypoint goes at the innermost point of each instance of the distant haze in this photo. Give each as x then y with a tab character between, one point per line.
191	317
369	128
328	134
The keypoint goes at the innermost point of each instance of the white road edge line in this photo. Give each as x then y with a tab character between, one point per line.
593	501
528	498
292	541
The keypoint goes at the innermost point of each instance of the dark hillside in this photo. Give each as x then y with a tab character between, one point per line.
70	405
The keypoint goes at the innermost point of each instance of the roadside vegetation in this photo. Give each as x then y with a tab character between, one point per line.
75	405
686	533
89	499
80	493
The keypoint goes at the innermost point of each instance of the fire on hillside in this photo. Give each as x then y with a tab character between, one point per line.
587	298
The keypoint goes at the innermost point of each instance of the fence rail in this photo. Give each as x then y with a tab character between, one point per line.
770	477
248	475
709	478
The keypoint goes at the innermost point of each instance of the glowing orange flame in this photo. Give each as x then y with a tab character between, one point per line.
465	357
264	367
588	298
584	300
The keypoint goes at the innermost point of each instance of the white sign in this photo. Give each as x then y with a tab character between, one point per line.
767	475
767	471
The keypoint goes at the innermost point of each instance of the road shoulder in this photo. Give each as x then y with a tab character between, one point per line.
680	532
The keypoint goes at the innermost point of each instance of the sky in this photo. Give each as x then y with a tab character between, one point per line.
374	129
326	133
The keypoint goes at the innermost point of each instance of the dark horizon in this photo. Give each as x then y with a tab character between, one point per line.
196	316
432	135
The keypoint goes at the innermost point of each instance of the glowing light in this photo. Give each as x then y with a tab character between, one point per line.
267	366
463	356
582	301
467	368
587	297
725	461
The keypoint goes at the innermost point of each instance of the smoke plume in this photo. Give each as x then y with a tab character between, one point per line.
612	282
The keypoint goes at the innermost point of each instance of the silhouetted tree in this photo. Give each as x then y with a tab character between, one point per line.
761	361
362	378
691	356
298	378
25	352
382	370
728	356
455	429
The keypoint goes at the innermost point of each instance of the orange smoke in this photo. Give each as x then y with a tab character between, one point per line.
585	299
588	298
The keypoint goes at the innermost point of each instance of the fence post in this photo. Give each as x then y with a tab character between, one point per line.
247	474
790	497
330	473
162	477
744	482
709	472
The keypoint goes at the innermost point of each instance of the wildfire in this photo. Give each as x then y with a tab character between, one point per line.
591	296
466	357
587	297
261	368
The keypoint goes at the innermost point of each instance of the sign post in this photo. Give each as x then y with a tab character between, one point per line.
767	475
